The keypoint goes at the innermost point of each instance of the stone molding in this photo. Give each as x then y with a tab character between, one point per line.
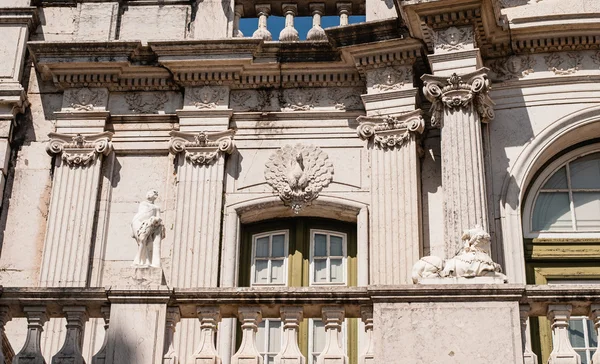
456	92
390	78
85	99
389	132
453	39
207	97
298	174
202	148
79	150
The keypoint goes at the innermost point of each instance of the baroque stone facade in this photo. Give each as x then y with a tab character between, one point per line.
178	189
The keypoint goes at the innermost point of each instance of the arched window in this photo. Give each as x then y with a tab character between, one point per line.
565	198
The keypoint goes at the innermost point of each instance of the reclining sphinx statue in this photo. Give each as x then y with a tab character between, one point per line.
472	260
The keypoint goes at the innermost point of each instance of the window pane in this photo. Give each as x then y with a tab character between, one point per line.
260	337
320	245
337	272
336	247
576	333
261	275
583	355
552	212
585	172
270	359
558	180
277	273
262	247
278	246
274	336
593	335
320	273
318	336
587	210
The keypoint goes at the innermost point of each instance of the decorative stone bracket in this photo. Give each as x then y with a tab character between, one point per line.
458	92
390	132
202	148
79	150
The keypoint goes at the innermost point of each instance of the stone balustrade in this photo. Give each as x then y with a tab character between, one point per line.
291	10
251	305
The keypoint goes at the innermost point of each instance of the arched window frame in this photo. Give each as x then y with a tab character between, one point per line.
534	192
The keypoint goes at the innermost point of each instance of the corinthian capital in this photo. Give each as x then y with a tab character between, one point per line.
202	148
390	132
456	92
79	150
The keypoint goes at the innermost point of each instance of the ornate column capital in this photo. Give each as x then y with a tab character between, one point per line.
202	148
456	92
79	150
388	131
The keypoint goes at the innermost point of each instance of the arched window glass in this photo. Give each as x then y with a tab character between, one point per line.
569	197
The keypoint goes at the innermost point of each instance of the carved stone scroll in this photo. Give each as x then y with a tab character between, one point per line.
458	92
202	148
391	131
79	150
298	174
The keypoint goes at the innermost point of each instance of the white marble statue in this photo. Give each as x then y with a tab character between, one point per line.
148	230
472	260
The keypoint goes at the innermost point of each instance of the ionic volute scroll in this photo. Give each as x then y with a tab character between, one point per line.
79	150
202	148
388	132
456	92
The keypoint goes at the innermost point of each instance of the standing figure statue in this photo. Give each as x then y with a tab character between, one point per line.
148	230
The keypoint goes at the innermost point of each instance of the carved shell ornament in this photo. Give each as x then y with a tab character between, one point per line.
298	174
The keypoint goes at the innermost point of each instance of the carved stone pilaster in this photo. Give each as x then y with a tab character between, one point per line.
456	93
366	314
202	148
529	356
209	317
100	356
459	105
290	353
390	132
5	316
79	150
71	349
595	317
31	353
332	353
248	353
173	316
562	350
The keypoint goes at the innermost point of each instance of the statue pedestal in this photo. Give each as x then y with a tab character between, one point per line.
463	280
142	277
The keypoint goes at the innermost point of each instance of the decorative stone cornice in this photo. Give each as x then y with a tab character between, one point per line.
202	148
388	132
458	92
79	150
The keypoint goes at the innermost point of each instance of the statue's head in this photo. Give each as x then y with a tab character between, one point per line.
151	195
477	238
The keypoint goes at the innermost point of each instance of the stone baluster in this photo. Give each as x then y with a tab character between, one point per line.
529	356
100	356
290	352
71	349
31	353
289	33
395	194
460	103
263	11
173	316
248	353
316	32
333	352
5	316
595	317
366	314
237	15
344	11
562	351
207	352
